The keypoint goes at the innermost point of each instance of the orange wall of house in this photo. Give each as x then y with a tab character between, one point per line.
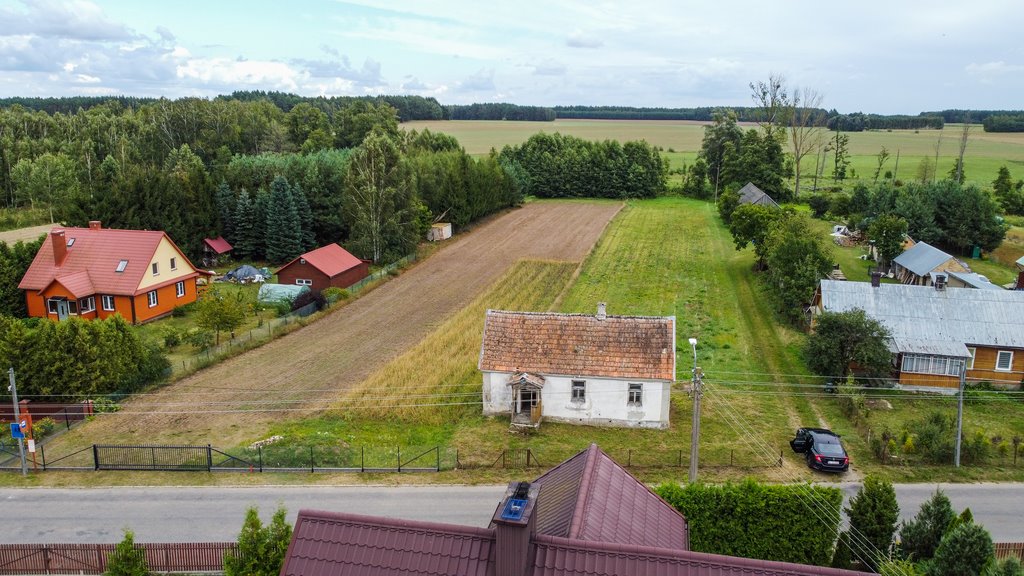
122	306
37	303
933	380
985	364
166	301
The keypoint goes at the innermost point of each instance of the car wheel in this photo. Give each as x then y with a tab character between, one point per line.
810	461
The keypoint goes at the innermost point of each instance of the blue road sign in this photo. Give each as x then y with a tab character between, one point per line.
16	431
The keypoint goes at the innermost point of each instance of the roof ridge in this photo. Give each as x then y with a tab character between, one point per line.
396	523
583	491
578	314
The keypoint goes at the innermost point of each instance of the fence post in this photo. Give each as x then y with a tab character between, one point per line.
67	423
209	458
679	462
312	465
399	458
95	458
437	453
362	459
259	450
629	457
42	454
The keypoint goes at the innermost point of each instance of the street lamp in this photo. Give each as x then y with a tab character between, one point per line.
695	427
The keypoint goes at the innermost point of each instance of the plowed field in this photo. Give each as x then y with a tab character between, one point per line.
297	374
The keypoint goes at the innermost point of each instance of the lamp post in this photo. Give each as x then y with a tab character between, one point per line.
695	427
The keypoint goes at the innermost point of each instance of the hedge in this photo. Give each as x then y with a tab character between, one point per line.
786	523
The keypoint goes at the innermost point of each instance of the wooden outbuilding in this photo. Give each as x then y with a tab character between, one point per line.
327	266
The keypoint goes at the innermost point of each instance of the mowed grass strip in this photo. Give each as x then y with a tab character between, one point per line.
437	380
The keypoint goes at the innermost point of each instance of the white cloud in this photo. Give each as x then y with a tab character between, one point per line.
226	72
577	39
993	68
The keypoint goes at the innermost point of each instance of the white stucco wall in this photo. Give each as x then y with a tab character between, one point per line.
605	404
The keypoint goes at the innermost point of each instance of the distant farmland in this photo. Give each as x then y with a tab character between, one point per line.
986	152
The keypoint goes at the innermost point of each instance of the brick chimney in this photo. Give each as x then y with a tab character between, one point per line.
60	247
95	225
602	310
513	525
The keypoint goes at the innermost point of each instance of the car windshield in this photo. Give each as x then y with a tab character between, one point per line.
830	449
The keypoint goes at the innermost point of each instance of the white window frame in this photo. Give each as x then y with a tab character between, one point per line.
1009	362
156	268
635	394
928	364
73	307
174	263
303	282
974	352
579	391
152	298
108	303
51	305
179	288
87	305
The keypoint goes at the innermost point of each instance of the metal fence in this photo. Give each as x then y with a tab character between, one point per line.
345	458
92	558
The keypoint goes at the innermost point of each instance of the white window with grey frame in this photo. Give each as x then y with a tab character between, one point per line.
579	391
635	395
1004	360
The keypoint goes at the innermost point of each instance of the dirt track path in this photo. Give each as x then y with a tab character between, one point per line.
231	402
25	234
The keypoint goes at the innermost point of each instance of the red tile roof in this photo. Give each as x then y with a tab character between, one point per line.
218	244
330	259
579	345
354	545
96	254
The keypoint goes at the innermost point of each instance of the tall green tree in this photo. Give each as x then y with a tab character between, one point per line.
888	232
225	201
379	204
719	136
873	514
261	549
798	259
841	156
806	125
751	224
965	550
920	537
220	311
247	236
842	339
284	237
50	179
14	262
758	159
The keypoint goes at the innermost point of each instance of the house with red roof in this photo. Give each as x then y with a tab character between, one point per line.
213	249
97	272
598	369
587	516
327	266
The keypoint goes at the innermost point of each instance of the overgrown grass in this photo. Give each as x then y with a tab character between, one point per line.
437	381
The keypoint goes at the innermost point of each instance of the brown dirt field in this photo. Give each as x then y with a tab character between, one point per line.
235	401
25	234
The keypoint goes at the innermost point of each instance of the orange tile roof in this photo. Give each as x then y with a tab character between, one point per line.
579	345
330	259
94	257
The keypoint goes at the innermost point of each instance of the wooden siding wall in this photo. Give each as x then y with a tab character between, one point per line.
985	367
297	269
933	380
92	558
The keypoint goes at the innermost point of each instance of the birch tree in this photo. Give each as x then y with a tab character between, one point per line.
805	129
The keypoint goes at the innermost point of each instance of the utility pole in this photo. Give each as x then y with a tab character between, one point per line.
17	420
960	412
695	428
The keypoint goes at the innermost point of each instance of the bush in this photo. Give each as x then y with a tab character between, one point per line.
732	519
311	297
261	549
199	339
171	337
127	559
965	551
819	204
921	536
333	294
43	428
873	513
935	438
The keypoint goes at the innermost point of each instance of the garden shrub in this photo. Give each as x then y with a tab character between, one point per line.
921	536
964	551
127	559
753	520
261	549
43	427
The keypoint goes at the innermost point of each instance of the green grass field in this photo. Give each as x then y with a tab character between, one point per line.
985	152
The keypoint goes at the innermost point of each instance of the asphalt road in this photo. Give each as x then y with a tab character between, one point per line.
46	515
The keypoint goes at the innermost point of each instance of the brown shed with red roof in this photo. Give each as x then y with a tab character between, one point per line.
327	266
97	272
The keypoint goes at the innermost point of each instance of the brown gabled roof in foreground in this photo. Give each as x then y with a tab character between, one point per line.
326	543
623	347
592	518
590	497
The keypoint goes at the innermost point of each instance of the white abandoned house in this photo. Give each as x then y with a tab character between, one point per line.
578	368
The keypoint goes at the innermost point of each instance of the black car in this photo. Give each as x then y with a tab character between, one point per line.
823	449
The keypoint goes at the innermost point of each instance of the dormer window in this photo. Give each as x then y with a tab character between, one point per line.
121	266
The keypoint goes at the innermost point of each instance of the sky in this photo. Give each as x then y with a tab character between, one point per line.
891	57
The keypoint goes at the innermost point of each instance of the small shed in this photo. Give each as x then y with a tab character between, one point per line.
274	293
751	194
213	249
327	266
439	231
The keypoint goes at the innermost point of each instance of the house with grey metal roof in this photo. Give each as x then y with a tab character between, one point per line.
587	516
751	194
937	331
920	263
970	280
